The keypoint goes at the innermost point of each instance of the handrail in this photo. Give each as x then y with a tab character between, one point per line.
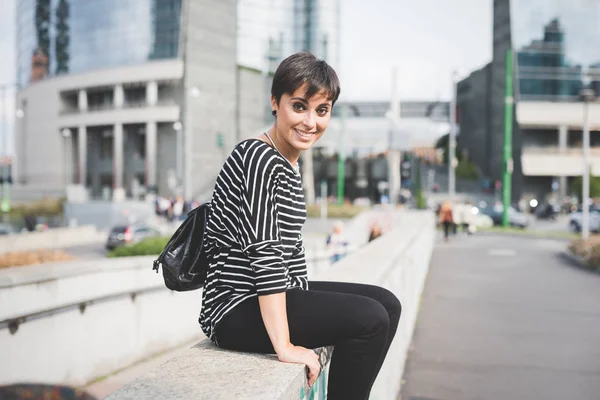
13	323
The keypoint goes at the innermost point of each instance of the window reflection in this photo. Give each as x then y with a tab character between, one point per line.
67	36
555	41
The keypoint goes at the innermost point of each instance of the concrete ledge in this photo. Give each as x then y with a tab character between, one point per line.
399	261
205	370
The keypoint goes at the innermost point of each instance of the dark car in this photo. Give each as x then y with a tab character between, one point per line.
123	235
547	211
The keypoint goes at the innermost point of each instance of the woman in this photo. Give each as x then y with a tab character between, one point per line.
257	297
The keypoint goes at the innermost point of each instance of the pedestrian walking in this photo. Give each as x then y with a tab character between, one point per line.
257	297
446	218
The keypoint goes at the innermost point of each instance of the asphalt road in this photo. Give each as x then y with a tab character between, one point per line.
505	318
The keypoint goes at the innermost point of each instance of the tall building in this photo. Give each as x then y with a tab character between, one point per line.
121	97
270	30
556	47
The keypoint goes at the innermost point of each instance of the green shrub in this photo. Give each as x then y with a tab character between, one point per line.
147	247
467	170
594	186
588	251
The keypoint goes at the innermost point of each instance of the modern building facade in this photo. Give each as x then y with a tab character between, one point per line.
271	30
119	98
556	47
127	96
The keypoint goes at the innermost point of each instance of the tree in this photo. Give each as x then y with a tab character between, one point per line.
577	186
465	168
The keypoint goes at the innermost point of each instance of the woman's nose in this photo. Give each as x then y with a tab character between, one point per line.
309	120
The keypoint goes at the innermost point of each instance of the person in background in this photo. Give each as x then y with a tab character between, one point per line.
337	245
458	213
178	208
468	218
446	218
375	231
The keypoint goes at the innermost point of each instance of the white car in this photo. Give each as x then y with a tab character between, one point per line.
576	220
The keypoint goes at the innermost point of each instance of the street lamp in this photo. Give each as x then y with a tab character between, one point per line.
587	95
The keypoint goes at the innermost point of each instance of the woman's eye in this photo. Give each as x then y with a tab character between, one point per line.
299	107
322	111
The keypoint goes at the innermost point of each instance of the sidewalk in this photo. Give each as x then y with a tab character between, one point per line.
505	318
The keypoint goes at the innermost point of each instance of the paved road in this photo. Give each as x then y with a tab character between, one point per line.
505	318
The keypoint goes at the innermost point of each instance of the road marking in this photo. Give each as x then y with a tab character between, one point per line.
502	253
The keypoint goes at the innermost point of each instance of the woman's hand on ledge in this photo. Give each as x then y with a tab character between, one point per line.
301	355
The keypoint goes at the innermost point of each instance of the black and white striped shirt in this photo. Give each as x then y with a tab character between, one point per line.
254	231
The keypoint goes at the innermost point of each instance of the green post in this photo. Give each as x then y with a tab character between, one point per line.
341	171
508	123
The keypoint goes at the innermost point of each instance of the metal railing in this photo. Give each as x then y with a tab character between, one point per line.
13	323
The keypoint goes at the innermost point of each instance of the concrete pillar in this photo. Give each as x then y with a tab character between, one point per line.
563	133
118	156
82	102
118	96
152	93
151	140
82	151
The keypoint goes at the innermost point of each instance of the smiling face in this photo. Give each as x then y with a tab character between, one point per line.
300	121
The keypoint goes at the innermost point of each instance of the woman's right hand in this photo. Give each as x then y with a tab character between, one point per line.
301	355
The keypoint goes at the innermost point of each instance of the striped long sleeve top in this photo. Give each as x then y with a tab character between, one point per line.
253	231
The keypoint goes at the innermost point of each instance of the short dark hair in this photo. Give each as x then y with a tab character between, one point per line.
301	68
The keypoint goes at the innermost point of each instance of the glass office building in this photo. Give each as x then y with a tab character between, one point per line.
555	42
556	47
56	37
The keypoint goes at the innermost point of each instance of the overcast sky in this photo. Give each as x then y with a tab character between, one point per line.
425	40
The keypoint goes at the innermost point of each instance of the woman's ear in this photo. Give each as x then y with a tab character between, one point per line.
274	105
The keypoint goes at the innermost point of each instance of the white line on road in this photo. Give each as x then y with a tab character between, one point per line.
502	252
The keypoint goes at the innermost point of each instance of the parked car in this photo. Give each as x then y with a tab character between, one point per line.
576	220
515	218
123	235
6	229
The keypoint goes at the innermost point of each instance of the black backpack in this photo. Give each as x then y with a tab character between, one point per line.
184	261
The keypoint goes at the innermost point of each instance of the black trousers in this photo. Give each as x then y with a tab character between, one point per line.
359	320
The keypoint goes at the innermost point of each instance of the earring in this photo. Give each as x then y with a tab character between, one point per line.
274	113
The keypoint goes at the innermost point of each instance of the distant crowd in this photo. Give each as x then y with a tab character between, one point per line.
174	208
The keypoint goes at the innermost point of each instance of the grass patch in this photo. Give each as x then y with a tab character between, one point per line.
334	211
147	247
530	232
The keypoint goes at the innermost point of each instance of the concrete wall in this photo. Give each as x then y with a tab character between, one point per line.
95	334
106	214
56	238
398	261
252	99
552	115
